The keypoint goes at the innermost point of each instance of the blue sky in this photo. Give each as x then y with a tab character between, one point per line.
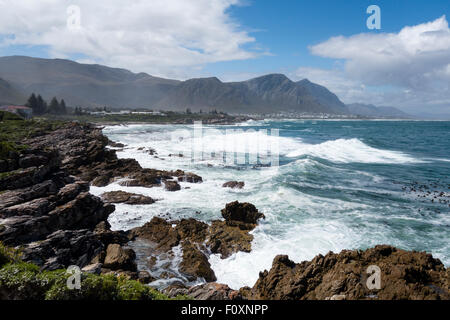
405	64
286	28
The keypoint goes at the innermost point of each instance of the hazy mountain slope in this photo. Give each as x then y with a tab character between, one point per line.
9	94
96	85
369	110
268	94
83	84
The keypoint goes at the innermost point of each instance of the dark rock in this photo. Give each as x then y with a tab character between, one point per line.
226	239
213	291
118	258
126	197
241	212
172	186
234	184
145	277
93	268
63	248
407	275
195	264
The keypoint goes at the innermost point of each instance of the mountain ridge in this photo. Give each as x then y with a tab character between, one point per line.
370	110
95	85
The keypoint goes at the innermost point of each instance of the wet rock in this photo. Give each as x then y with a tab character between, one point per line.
145	277
158	231
213	291
126	197
101	181
63	248
118	258
176	288
404	275
234	184
172	186
191	230
238	213
93	268
226	240
187	177
195	264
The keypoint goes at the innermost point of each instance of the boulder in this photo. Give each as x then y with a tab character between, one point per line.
172	186
195	264
126	197
234	184
226	240
63	248
118	258
95	268
213	291
238	213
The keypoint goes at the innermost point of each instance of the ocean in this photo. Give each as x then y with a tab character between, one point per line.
323	185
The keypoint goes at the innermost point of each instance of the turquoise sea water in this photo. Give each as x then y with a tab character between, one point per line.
339	185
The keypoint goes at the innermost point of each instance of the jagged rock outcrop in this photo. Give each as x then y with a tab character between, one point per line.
198	240
404	275
126	197
118	258
189	233
213	291
243	214
84	153
63	248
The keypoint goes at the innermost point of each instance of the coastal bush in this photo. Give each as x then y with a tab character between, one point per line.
8	254
26	281
6	116
21	280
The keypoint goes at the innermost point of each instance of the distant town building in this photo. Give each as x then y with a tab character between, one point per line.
22	111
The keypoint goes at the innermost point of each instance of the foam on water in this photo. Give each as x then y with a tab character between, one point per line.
352	150
313	203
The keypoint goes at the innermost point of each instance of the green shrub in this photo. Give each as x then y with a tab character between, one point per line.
8	254
7	116
20	280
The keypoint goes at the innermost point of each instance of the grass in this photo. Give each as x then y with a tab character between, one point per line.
170	117
21	280
14	130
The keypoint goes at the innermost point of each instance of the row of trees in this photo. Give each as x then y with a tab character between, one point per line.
40	106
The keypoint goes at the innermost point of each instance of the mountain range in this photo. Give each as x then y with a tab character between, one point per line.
97	86
369	110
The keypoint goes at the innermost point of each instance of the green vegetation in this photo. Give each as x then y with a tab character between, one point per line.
6	116
14	131
168	117
20	280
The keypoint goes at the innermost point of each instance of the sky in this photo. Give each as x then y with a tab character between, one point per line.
405	64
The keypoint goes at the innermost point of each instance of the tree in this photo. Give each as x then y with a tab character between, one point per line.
41	106
54	106
188	111
62	107
32	103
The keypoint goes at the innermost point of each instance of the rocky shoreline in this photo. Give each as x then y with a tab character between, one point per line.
46	210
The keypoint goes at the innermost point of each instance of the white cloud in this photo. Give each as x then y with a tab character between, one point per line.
162	37
410	68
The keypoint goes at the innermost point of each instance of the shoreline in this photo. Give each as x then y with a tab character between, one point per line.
163	233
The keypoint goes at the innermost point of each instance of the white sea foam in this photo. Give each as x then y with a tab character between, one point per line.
352	150
298	223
